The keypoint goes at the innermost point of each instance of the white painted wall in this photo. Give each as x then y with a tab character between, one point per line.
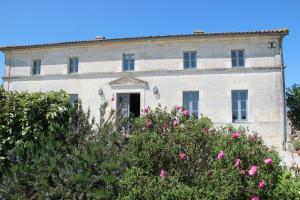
264	87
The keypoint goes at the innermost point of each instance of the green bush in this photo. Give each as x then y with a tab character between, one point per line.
189	154
26	117
297	144
293	103
160	155
85	164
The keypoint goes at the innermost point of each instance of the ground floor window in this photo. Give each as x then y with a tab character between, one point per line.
191	102
239	105
74	99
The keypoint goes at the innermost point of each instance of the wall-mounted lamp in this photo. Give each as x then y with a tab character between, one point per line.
100	92
155	90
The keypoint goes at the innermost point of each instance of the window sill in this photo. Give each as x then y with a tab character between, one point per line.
240	121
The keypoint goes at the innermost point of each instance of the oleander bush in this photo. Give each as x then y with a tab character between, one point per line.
173	156
65	154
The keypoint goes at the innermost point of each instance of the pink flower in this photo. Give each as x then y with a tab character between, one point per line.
255	198
164	126
146	110
268	161
237	163
253	170
177	107
162	173
182	156
220	155
185	113
262	184
235	135
175	123
149	124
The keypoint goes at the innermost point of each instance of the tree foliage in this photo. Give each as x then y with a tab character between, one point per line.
293	103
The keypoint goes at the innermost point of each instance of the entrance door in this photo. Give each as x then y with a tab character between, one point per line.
128	104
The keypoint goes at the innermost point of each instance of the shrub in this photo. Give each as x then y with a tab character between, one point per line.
160	155
173	156
297	144
86	164
293	103
26	117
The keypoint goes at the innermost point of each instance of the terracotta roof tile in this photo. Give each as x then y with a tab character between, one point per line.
283	31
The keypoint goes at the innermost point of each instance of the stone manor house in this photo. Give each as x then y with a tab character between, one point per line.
231	77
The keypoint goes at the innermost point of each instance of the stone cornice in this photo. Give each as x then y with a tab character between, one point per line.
145	73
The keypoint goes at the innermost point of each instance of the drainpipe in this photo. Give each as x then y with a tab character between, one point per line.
284	96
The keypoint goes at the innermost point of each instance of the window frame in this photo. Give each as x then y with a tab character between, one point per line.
74	103
191	112
189	61
237	58
131	62
70	66
33	67
239	106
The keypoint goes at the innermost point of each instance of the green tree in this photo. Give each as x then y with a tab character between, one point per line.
293	103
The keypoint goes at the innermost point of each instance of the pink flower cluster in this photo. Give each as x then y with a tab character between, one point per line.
182	156
163	173
235	135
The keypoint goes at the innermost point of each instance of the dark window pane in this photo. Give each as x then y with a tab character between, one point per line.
74	98
235	105
233	54
243	95
234	115
243	105
244	115
186	64
186	56
241	54
234	63
241	62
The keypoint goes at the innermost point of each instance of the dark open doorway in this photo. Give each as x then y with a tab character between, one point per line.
129	104
134	105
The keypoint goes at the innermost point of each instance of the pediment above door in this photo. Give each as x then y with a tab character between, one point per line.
128	82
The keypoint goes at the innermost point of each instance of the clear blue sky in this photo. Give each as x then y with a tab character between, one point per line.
40	21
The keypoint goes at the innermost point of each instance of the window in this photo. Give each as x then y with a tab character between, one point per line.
189	59
73	65
239	105
128	62
73	99
36	67
191	102
237	58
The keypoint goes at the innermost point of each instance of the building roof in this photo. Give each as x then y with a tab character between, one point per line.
282	31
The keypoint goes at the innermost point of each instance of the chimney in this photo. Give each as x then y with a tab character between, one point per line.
99	37
198	32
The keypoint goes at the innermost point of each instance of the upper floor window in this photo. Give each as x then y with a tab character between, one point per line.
239	105
191	102
36	67
73	65
237	58
128	62
190	59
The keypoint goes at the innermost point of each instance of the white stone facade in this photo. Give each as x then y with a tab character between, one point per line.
159	63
